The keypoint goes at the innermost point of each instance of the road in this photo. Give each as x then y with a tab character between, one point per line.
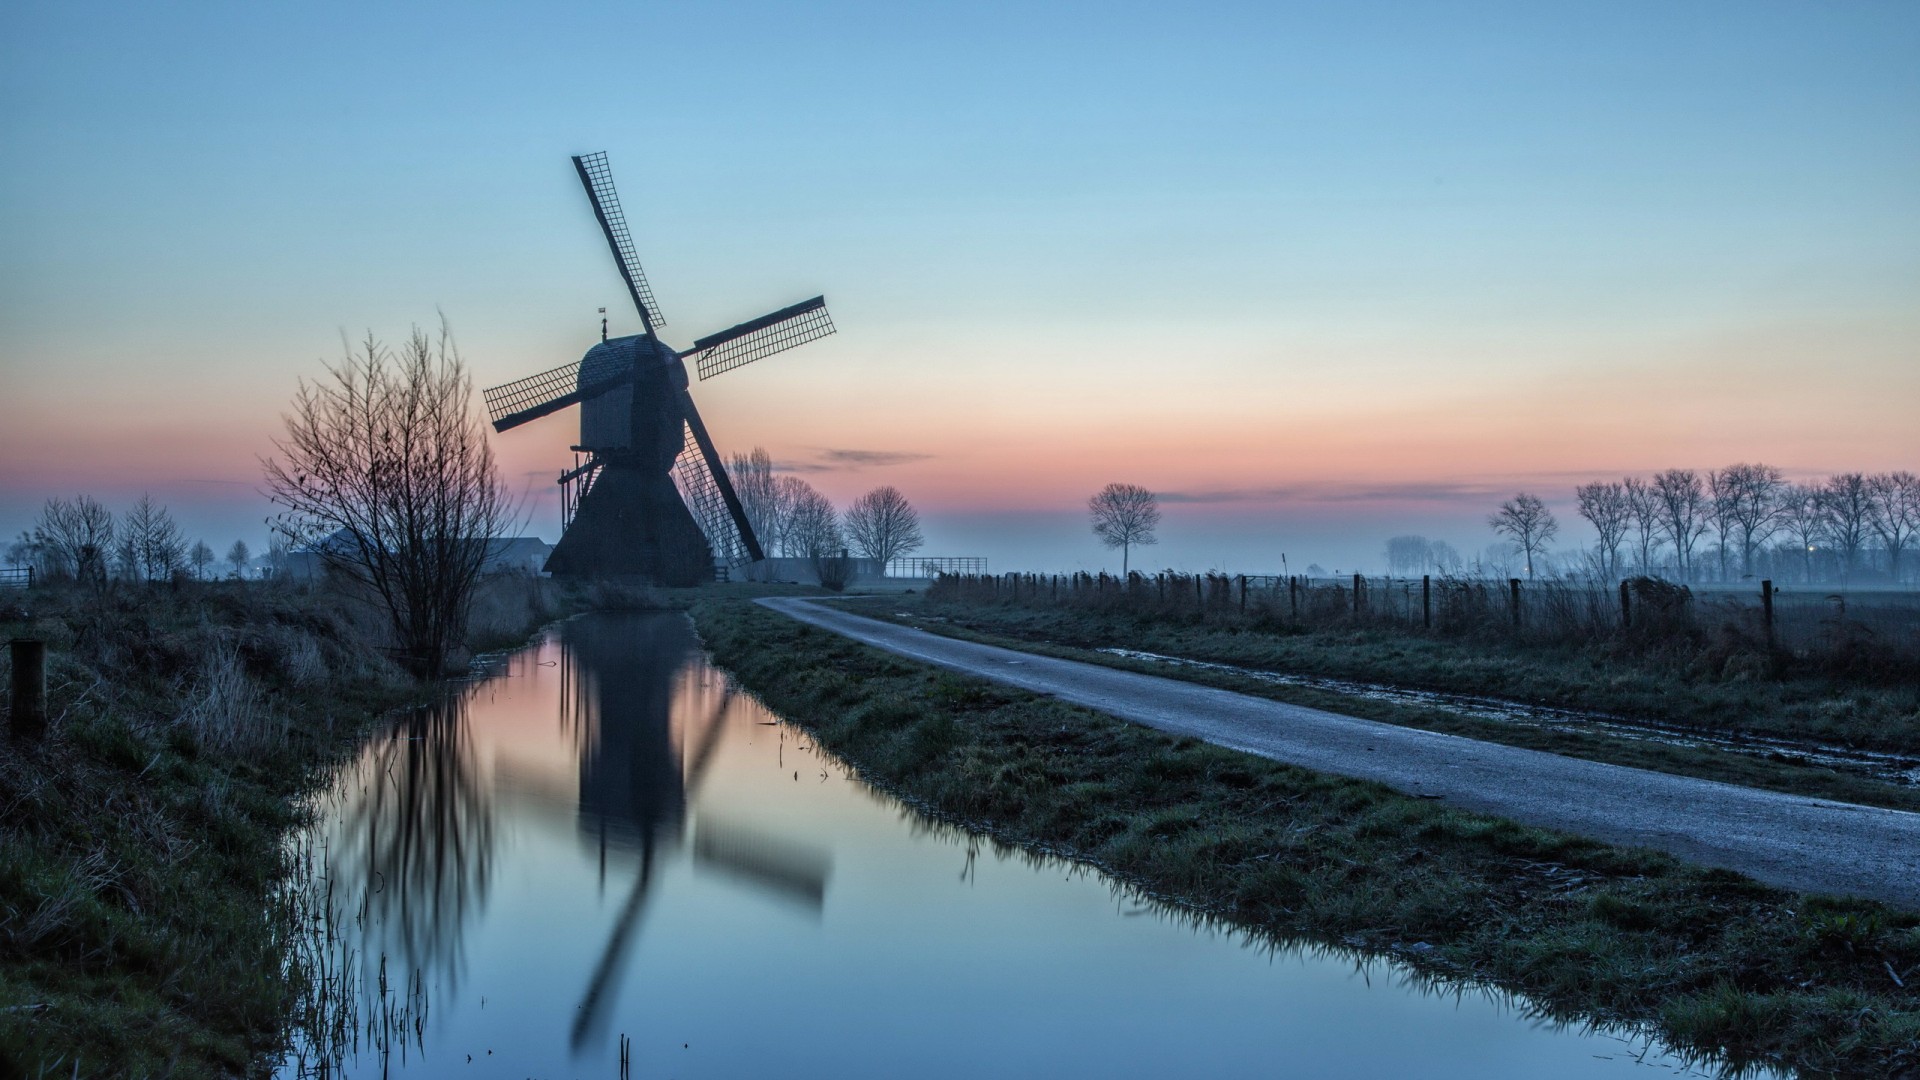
1811	845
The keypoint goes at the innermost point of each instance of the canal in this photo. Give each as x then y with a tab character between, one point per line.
603	859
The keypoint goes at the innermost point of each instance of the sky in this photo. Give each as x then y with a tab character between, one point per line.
1317	274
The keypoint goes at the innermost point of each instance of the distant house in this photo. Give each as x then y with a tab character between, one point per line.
508	554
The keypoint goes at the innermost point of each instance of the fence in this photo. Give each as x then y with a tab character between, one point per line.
16	577
926	566
1863	629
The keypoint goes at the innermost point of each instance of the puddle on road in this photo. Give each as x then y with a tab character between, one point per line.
1887	768
604	860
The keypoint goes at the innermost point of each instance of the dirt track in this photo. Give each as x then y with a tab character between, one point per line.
1794	842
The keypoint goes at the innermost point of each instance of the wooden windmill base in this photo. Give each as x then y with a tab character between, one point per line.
633	523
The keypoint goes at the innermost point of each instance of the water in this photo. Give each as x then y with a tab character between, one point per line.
604	849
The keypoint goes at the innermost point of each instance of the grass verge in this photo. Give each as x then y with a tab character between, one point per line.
1717	963
1808	708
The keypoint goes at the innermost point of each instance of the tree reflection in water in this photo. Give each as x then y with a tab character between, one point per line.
418	843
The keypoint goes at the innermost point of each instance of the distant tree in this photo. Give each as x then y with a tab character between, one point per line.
813	530
1848	509
1751	494
1316	570
277	568
1605	506
77	538
1893	509
153	541
753	482
237	557
1643	510
788	493
386	473
883	525
1446	558
1528	523
200	556
1409	555
1125	516
1682	502
1803	518
126	556
1718	512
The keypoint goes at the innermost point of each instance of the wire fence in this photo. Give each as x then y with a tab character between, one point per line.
1868	631
16	577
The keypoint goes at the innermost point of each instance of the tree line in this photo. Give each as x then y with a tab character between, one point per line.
794	520
1720	525
79	539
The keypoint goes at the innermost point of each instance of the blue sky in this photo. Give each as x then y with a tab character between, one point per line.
1268	259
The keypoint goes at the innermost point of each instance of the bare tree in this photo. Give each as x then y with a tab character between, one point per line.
1446	558
813	529
1682	501
788	493
1605	506
1526	521
76	538
1803	517
200	556
753	481
1751	497
883	525
153	541
1893	509
1124	516
1849	512
385	473
1643	508
1409	554
237	557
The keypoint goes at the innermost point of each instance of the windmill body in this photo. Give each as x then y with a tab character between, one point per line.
652	498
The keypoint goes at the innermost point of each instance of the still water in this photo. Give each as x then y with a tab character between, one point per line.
603	850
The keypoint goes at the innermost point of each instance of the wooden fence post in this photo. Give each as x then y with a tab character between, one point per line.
1513	600
1626	607
1243	594
29	688
1766	609
1293	596
1426	601
1356	594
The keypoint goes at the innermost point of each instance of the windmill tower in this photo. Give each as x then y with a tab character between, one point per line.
648	495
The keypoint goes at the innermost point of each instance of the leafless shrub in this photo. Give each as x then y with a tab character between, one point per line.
225	710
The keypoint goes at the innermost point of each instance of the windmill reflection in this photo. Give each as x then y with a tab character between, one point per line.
627	677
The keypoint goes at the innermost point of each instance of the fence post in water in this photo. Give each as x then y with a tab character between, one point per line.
1513	600
1426	601
1626	607
29	688
1766	609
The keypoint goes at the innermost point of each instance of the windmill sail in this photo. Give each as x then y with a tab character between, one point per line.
710	495
517	402
762	337
597	177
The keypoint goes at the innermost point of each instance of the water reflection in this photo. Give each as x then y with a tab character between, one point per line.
604	850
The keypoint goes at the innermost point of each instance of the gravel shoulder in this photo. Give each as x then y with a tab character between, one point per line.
1810	845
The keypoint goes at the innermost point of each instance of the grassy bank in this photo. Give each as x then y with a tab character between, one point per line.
1663	688
142	839
1718	963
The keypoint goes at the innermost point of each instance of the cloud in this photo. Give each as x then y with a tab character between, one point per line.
837	460
858	459
1413	491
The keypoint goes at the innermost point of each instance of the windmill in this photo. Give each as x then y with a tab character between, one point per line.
648	494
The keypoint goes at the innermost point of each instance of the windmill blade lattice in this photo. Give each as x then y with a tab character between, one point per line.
515	403
597	176
709	507
762	337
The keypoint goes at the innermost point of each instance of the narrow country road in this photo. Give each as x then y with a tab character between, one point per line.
1786	840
